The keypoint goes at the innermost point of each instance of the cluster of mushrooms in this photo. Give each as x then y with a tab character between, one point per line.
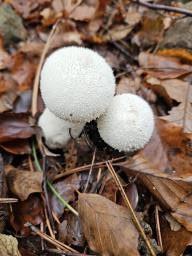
78	86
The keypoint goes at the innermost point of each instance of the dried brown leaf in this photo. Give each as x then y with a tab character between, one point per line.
175	242
182	116
162	67
167	155
23	183
8	246
14	126
107	226
30	210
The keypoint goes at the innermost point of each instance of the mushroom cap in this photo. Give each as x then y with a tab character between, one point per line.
77	84
56	131
128	123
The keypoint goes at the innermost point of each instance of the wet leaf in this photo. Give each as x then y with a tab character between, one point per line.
17	147
66	189
107	226
8	246
31	182
14	126
162	67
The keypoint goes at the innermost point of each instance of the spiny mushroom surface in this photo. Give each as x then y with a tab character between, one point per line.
58	132
127	124
77	84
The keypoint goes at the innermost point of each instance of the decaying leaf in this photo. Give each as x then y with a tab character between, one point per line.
162	67
23	183
8	246
182	116
107	226
66	189
167	155
174	242
14	126
30	210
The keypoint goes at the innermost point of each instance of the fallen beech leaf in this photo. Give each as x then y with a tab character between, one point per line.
162	67
8	246
182	116
118	32
107	226
30	210
66	189
23	71
14	126
152	29
175	242
177	89
175	196
84	12
17	147
167	155
180	53
31	182
8	92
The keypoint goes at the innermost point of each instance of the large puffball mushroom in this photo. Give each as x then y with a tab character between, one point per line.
58	132
128	123
77	84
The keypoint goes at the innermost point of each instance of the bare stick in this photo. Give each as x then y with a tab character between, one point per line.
133	215
164	7
8	200
36	81
55	242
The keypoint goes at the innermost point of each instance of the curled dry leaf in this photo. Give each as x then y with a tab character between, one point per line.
8	246
107	226
162	67
31	182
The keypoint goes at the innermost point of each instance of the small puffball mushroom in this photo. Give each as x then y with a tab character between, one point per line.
58	132
77	84
128	123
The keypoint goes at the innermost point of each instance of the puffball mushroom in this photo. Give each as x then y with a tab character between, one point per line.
77	84
57	132
128	123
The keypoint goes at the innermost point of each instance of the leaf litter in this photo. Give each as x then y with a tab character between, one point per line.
148	57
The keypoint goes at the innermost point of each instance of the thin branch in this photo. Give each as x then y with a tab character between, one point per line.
37	76
164	7
128	204
8	200
55	242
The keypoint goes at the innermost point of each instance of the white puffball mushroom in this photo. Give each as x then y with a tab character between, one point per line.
77	84
58	132
128	123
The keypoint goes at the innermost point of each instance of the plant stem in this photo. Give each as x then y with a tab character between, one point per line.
51	187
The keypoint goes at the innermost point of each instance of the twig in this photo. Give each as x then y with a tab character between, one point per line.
90	171
8	200
55	242
37	76
164	7
38	166
85	167
158	228
133	215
